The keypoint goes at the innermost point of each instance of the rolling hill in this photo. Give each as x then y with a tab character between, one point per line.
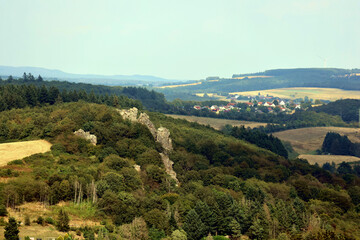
111	80
272	79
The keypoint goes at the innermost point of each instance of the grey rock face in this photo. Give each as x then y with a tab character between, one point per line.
130	114
144	119
161	135
86	135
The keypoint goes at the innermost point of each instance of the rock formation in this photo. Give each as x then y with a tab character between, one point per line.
86	135
161	135
130	114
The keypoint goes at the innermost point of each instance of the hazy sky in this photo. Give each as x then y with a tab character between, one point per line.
179	39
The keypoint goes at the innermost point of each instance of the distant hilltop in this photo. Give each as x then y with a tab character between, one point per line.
54	74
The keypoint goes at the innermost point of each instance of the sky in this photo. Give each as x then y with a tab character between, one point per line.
185	40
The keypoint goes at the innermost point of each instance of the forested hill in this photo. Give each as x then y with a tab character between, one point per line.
347	109
227	186
279	78
28	86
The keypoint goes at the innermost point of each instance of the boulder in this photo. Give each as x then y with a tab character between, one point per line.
86	135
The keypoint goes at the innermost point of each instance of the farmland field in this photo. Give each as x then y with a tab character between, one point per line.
217	123
305	140
19	150
331	94
322	159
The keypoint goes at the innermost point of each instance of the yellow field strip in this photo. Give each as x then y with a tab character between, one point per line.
19	150
331	94
322	159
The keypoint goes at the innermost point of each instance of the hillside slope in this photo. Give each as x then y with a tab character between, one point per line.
226	186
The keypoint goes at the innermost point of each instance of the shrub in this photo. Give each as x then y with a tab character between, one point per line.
40	220
3	211
27	220
49	220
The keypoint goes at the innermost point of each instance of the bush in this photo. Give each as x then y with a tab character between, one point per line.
3	211
16	162
27	220
40	220
49	220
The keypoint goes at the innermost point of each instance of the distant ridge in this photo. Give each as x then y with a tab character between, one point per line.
85	78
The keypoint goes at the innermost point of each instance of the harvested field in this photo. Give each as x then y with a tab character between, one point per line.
322	159
217	123
19	150
181	85
331	94
305	140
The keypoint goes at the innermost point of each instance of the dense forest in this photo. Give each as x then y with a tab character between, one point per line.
336	144
227	186
32	91
347	109
258	138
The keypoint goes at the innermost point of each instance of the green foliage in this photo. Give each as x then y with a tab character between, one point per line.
155	234
27	220
11	230
260	139
193	226
178	235
3	211
62	223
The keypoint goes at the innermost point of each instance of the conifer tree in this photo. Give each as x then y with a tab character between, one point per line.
11	230
193	226
63	221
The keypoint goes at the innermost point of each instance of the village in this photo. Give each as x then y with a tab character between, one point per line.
259	104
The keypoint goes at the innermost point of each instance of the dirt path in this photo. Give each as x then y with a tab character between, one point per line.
19	150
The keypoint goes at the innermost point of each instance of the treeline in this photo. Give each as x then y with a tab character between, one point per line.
336	144
151	100
20	96
347	109
258	138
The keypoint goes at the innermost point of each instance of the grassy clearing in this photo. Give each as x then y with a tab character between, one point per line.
19	150
36	231
217	123
308	140
322	159
331	94
80	215
82	211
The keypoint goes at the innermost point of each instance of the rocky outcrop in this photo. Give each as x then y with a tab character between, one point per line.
130	114
137	167
144	119
86	135
161	135
168	166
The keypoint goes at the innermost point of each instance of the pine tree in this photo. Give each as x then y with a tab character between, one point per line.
11	230
193	226
63	221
